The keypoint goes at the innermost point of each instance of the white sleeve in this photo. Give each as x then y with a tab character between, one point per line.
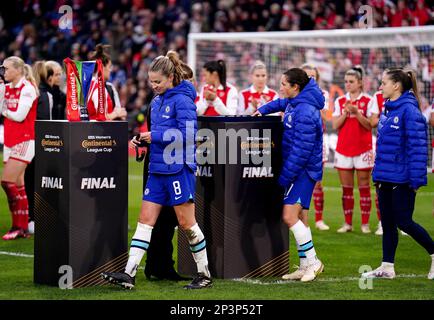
241	102
326	100
117	102
201	104
337	109
27	96
2	96
94	98
231	103
372	107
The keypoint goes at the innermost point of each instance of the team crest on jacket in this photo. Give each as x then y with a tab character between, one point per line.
167	109
146	191
396	120
289	118
362	104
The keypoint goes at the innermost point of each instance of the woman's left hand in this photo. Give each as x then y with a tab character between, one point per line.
146	136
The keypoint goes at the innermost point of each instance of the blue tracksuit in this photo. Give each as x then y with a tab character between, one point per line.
172	164
400	168
301	143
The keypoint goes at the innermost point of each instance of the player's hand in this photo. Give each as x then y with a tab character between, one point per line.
210	93
121	113
256	114
134	142
254	103
351	107
146	136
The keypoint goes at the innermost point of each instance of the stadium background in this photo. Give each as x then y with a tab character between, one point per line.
138	31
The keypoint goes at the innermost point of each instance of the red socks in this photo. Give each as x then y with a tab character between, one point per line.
348	203
318	200
23	208
365	203
18	205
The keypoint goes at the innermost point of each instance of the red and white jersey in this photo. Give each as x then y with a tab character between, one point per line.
378	101
225	104
353	138
92	99
19	104
245	106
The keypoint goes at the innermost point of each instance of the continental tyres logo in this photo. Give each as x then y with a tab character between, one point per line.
97	144
52	143
257	145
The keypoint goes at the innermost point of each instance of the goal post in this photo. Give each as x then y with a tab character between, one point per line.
332	51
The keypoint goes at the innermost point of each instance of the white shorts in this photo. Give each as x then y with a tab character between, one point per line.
432	161
24	151
325	149
365	161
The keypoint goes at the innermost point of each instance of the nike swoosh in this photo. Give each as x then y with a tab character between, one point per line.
176	198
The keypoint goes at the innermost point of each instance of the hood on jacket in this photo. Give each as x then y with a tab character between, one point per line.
185	87
406	97
311	94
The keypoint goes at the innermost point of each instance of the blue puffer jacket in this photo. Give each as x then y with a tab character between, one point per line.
302	135
173	130
402	146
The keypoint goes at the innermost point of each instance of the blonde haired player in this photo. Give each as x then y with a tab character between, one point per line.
258	93
18	99
351	117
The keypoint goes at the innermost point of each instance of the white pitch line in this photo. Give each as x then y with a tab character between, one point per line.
16	254
319	279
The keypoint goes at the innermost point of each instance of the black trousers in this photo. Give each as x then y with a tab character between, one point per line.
396	203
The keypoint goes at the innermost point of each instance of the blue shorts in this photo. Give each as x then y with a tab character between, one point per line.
300	191
171	189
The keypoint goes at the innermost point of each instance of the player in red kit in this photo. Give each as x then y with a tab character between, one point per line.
112	103
318	193
351	117
19	99
217	97
258	94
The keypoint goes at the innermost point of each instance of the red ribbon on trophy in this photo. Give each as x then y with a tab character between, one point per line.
101	111
78	80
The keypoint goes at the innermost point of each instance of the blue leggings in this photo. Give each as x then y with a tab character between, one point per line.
396	203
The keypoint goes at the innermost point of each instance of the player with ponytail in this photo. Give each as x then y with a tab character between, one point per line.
171	179
19	99
113	109
218	97
352	118
400	166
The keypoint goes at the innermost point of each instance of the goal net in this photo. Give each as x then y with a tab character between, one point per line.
332	51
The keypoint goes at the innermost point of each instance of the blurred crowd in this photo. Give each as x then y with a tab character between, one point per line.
140	30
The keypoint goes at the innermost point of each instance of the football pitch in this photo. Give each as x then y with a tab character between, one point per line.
342	254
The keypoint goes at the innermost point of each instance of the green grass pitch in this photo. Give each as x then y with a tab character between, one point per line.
342	254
